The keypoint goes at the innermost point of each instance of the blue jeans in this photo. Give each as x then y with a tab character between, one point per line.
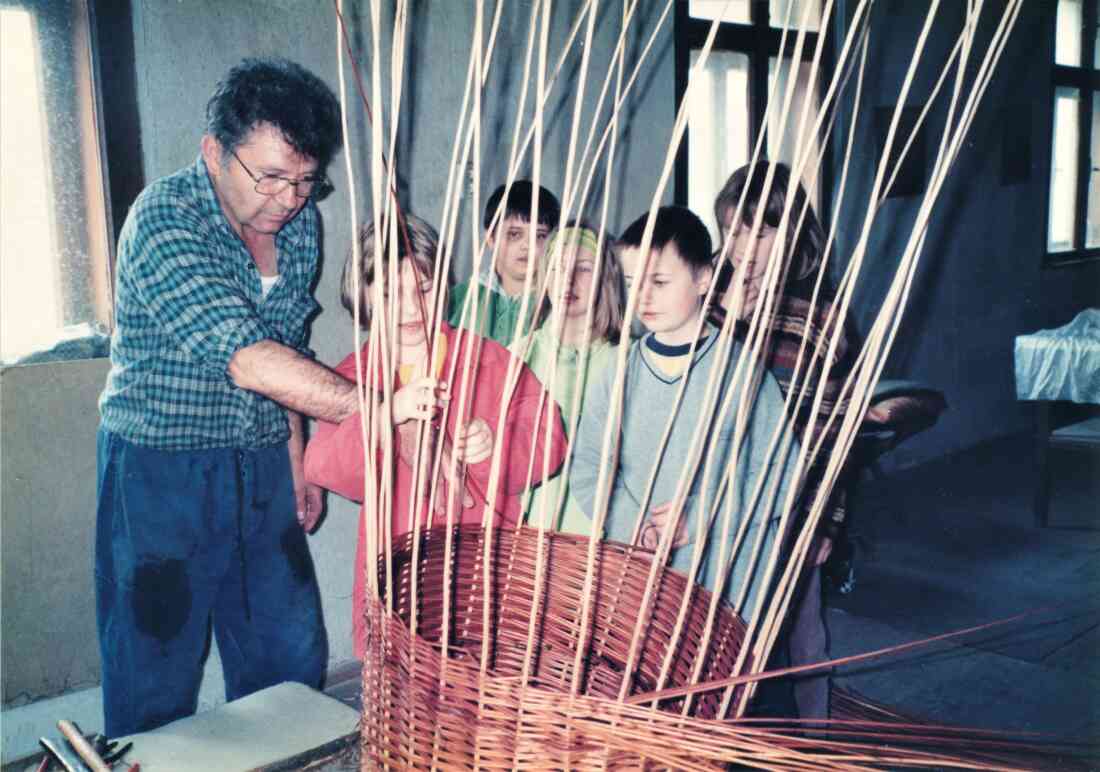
186	539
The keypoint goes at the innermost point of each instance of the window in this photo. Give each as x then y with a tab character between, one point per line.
1073	210
727	109
55	294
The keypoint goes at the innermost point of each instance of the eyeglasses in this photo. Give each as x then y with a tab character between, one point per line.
272	184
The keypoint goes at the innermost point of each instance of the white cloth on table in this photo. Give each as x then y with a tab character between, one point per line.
1061	364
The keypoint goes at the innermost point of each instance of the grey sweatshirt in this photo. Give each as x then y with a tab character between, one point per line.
648	398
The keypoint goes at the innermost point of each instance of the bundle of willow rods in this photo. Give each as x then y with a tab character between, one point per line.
519	647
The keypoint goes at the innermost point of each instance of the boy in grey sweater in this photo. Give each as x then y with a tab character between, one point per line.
670	304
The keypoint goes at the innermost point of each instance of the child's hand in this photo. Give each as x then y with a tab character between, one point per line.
821	549
655	526
475	443
451	486
419	400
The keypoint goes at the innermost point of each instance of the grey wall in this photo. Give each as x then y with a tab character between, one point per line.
47	458
980	281
179	52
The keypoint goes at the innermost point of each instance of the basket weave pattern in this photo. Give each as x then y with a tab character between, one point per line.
422	711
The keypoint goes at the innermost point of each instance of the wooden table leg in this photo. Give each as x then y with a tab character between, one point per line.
1042	466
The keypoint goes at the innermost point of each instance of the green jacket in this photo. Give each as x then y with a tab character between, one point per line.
563	513
498	316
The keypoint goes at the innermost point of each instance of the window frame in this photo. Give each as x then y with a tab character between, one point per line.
87	91
1086	79
760	41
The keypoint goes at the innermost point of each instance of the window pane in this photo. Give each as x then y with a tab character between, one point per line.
1092	227
53	226
783	138
1067	40
736	11
718	128
1063	172
779	11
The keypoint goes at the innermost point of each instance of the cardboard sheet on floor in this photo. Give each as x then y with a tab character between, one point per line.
265	730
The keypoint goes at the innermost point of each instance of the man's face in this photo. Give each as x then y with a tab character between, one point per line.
513	260
670	298
265	152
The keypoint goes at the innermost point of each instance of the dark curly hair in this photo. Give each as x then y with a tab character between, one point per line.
279	92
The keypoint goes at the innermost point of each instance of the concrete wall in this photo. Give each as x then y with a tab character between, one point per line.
180	50
47	453
980	281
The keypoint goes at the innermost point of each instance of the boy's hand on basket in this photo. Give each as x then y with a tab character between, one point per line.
655	526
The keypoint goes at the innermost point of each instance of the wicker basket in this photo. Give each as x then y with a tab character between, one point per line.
415	714
423	711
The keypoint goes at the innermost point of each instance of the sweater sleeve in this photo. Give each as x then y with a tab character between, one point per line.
624	504
585	466
755	464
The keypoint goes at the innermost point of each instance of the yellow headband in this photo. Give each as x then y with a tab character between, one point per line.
582	238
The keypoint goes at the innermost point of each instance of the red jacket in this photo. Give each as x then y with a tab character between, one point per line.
335	459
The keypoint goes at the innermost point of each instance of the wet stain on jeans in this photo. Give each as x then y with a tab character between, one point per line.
293	542
161	598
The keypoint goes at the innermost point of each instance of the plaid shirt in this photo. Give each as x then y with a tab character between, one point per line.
187	297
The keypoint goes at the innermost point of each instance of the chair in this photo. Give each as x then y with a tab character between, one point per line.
898	410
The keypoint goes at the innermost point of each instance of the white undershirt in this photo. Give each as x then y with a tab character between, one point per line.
266	283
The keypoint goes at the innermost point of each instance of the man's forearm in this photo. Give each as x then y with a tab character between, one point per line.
282	374
296	445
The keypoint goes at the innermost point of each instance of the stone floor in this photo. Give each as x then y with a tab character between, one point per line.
952	544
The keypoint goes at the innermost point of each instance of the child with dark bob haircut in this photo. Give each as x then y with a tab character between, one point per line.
501	284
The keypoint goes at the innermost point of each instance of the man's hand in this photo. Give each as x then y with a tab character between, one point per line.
474	443
310	501
418	400
308	498
655	526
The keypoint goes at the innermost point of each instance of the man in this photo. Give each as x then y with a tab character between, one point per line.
501	297
201	497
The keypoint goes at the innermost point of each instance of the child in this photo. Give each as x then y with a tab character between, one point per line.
795	313
670	305
335	455
567	337
500	298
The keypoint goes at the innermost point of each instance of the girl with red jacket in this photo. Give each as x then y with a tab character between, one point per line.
460	404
